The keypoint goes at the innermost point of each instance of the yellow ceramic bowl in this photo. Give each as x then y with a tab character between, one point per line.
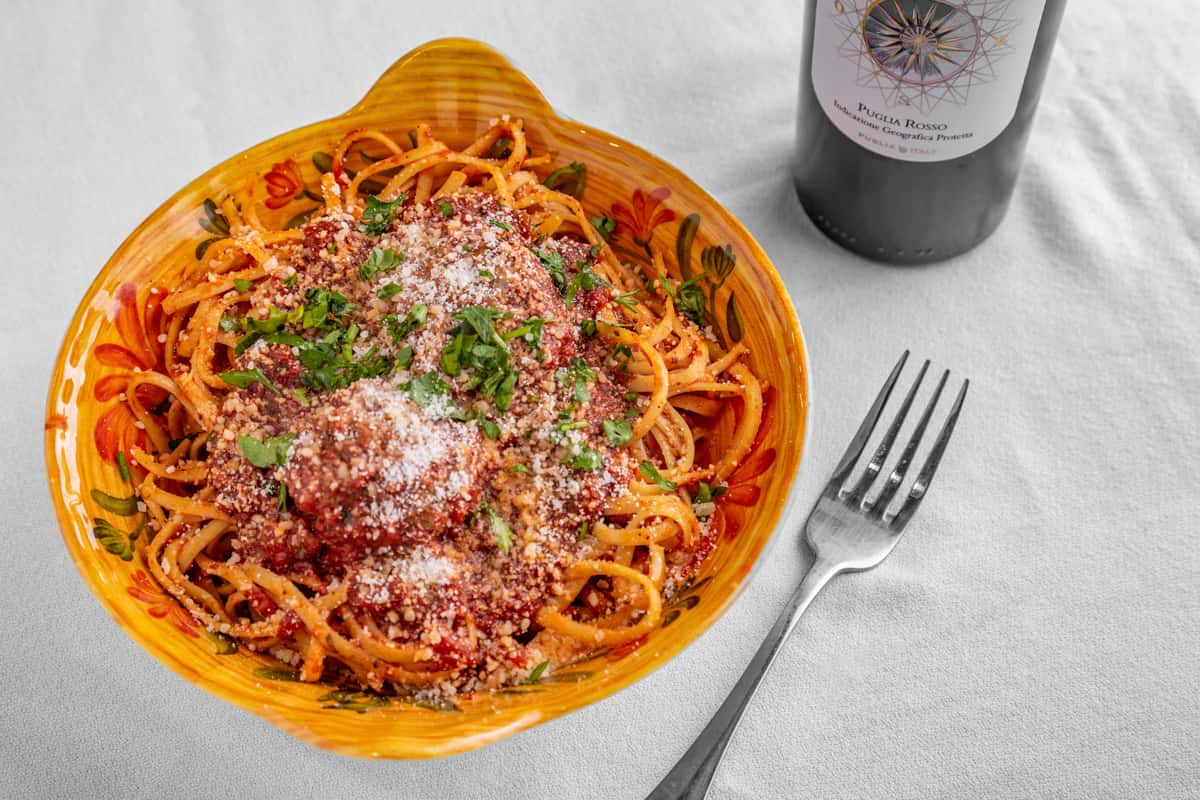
457	85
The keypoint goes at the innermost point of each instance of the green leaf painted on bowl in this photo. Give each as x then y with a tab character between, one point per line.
437	704
121	506
213	220
112	539
202	248
359	702
301	218
683	244
718	261
322	161
733	321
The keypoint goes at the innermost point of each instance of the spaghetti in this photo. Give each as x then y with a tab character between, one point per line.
438	434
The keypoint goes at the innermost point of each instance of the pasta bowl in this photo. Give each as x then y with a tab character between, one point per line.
458	86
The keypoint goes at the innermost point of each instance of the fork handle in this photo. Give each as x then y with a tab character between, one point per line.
689	779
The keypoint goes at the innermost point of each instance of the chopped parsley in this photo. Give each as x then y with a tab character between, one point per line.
242	378
605	225
382	259
424	388
587	327
706	493
490	429
530	332
270	452
504	226
500	527
476	347
618	432
584	280
577	375
388	291
241	285
446	208
688	298
583	531
653	474
229	324
291	280
413	321
568	179
556	265
585	458
519	468
626	300
487	274
378	214
283	496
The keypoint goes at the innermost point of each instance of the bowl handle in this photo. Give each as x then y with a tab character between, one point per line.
469	74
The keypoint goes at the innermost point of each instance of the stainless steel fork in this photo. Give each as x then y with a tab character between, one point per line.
847	533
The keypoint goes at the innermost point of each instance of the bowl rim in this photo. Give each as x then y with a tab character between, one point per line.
777	513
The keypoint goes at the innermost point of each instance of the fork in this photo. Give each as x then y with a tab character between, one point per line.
847	533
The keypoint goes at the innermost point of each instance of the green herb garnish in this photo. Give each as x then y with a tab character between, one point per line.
587	459
606	225
381	260
388	291
242	378
270	452
688	298
706	493
653	474
446	208
617	431
241	285
424	388
500	527
378	214
536	675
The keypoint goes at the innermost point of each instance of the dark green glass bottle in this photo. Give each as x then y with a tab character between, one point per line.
913	119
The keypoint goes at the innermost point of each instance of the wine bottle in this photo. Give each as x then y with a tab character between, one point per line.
913	119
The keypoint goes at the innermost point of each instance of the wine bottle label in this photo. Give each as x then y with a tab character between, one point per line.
922	80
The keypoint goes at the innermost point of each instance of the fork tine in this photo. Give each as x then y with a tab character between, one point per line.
864	431
925	477
873	469
880	504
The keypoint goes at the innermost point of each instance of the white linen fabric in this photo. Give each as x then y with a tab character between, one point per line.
1034	635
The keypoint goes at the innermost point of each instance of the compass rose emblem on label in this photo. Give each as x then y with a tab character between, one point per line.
918	41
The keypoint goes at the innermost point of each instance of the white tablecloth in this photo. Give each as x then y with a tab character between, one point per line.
1035	635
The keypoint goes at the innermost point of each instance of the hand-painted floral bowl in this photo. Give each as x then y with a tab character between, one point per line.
457	85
